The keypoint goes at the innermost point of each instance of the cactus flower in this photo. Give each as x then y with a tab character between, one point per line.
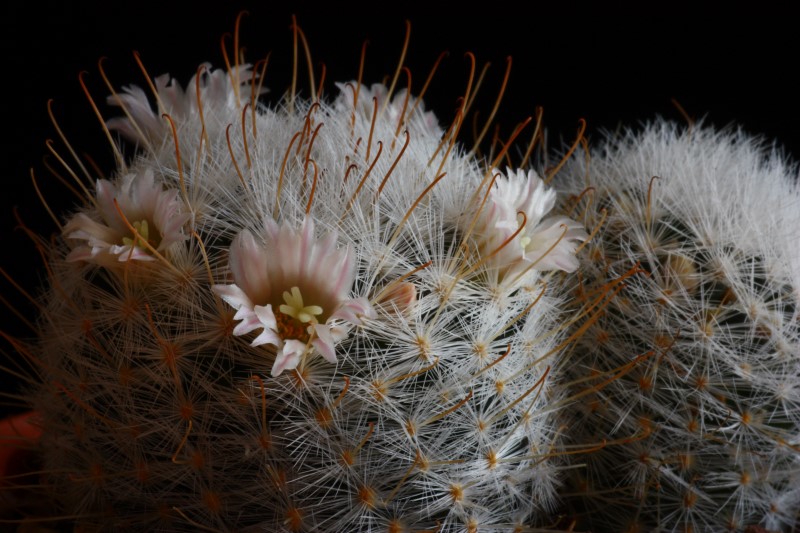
517	204
153	212
295	288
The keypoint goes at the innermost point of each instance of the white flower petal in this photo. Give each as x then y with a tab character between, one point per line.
289	357
134	200
266	316
267	337
324	342
249	322
354	311
294	284
145	125
523	198
248	263
130	253
233	296
398	109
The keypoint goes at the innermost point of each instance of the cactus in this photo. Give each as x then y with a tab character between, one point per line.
698	427
317	316
325	314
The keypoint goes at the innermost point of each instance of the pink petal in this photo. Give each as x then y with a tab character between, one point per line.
247	323
248	263
124	253
342	272
143	119
289	357
233	296
306	248
288	248
354	310
82	227
324	343
106	193
267	336
266	316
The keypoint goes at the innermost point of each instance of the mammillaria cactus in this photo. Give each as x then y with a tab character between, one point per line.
698	428
325	314
320	316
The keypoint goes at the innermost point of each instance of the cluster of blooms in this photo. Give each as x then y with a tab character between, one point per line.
339	338
327	316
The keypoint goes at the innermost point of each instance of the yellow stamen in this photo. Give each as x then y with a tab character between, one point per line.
142	235
294	307
524	240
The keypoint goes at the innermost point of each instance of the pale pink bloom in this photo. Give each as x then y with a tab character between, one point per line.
156	214
296	289
398	109
217	91
543	243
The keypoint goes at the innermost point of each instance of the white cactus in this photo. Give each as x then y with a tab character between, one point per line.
179	385
699	429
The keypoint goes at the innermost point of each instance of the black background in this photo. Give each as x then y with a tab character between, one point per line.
612	64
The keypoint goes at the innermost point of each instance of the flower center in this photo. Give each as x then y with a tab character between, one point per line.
142	236
295	308
290	328
293	316
524	240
